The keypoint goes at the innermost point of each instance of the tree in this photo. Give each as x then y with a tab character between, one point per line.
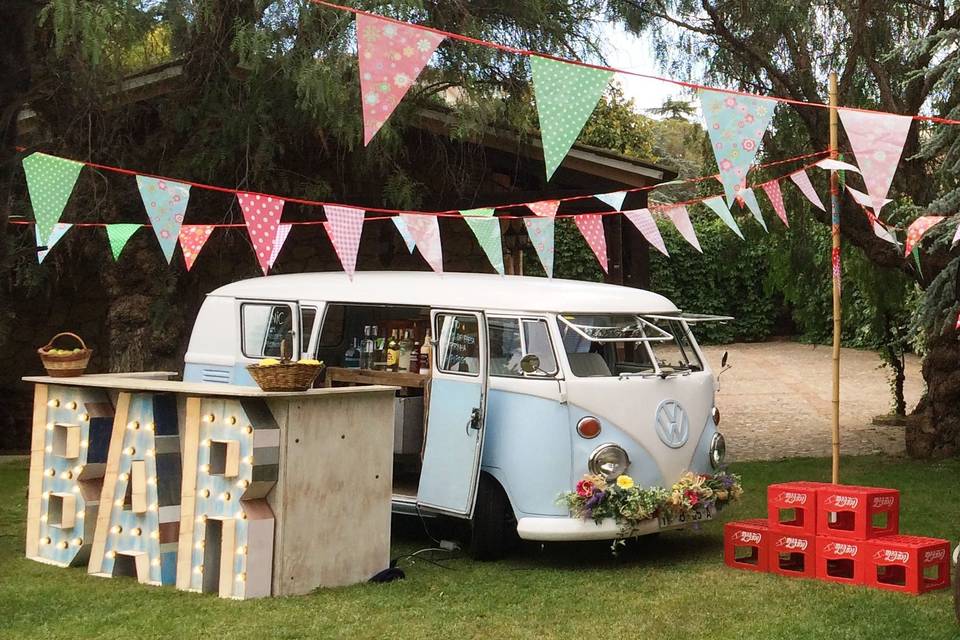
785	49
674	109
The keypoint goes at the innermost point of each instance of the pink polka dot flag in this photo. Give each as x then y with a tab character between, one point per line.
591	227
681	220
645	223
344	226
425	231
877	140
262	215
192	239
916	230
391	56
802	180
283	230
772	189
545	208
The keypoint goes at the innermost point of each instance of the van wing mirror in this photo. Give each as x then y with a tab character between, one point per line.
530	363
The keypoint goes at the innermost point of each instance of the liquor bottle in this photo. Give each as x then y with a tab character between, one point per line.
379	349
366	349
414	365
406	345
425	354
393	354
351	359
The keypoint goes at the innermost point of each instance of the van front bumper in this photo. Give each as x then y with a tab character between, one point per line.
572	529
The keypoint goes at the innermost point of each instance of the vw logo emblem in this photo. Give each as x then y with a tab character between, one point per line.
673	426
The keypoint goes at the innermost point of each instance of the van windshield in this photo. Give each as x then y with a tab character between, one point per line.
612	345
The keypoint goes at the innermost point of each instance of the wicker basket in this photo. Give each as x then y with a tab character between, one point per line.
68	364
286	376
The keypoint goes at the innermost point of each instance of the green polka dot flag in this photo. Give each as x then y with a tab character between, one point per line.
50	181
119	234
486	227
566	95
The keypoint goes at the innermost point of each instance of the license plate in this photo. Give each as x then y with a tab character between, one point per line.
699	515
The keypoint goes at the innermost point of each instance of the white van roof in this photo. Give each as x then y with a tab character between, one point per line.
452	290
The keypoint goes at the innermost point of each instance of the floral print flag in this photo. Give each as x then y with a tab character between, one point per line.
645	223
614	199
262	215
59	230
192	239
566	95
50	181
917	229
486	228
401	226
591	226
541	233
391	56
719	207
877	140
736	125
166	203
425	230
344	226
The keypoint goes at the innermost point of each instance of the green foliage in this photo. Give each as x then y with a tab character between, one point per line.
616	125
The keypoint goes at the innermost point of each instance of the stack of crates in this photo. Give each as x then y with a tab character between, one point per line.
839	533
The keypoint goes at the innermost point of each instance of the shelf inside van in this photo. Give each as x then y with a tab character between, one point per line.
370	376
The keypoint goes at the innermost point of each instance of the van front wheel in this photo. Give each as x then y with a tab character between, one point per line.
493	530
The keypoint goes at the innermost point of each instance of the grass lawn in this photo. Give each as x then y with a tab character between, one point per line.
674	587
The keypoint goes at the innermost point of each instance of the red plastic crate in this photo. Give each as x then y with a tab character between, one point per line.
841	560
792	555
750	536
910	564
792	507
861	513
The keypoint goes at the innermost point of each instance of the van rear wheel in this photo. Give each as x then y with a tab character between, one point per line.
493	530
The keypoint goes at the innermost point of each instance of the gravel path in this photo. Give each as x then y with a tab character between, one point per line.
776	400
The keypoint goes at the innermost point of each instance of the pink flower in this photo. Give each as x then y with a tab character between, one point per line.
725	165
749	145
585	488
730	102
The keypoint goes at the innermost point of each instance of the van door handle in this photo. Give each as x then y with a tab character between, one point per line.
474	422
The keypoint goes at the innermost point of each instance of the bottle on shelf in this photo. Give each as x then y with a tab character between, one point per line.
379	349
414	365
366	349
393	353
351	359
406	346
425	354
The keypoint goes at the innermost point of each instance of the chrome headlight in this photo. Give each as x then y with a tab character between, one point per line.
718	450
608	460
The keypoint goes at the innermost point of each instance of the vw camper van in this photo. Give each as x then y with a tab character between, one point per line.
525	384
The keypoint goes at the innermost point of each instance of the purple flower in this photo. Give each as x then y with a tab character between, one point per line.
595	499
727	481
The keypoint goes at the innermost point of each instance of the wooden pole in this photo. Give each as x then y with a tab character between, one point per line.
835	268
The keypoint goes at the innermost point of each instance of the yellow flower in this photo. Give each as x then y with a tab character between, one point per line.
625	482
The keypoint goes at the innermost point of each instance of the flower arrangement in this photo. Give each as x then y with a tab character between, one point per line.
597	498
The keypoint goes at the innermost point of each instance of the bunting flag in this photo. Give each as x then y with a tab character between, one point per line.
192	238
681	220
50	181
956	237
775	195
544	208
262	215
877	140
736	125
283	230
883	233
614	199
486	228
59	230
866	201
165	202
391	57
118	235
401	226
566	95
645	223
719	207
917	229
344	226
830	165
591	227
750	198
425	231
541	234
802	180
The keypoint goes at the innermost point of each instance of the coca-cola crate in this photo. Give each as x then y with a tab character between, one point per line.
792	507
745	544
911	564
792	555
841	560
861	513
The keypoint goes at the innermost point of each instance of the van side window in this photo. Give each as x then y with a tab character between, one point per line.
513	338
264	327
458	351
308	316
